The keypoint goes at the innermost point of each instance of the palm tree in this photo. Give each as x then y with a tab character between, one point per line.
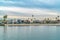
5	18
32	15
57	18
32	19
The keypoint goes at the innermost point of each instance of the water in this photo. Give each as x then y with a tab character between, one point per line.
30	33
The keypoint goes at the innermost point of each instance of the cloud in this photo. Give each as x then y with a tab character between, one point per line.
28	11
13	2
50	2
30	7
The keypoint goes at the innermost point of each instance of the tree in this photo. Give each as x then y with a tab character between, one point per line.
5	18
57	18
32	15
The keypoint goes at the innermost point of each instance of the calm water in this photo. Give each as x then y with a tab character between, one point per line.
30	33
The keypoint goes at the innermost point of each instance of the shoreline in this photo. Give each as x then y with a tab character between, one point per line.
32	24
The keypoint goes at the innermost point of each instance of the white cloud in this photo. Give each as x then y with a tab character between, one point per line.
29	11
49	2
13	2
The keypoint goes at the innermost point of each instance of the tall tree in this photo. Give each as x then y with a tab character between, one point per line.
57	18
5	19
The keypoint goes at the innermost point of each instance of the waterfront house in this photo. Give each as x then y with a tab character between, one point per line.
41	20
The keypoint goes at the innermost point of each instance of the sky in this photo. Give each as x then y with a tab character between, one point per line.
29	7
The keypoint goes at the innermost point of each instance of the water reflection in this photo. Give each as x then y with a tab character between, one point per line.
4	32
30	33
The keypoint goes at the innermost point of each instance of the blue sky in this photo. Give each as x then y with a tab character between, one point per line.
50	4
26	7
